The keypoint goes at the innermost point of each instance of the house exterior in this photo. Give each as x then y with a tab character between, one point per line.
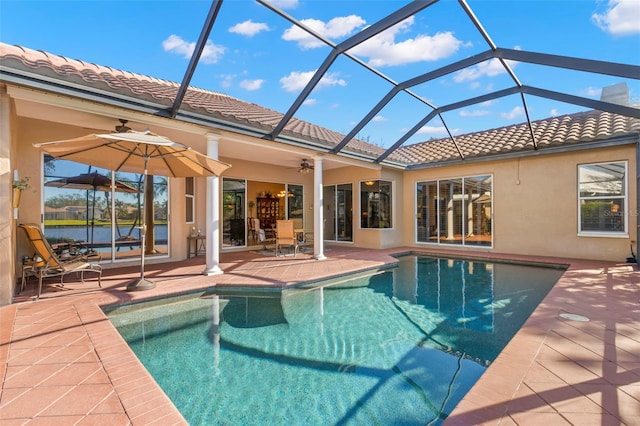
563	187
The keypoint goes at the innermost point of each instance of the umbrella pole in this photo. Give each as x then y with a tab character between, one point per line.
91	251
142	283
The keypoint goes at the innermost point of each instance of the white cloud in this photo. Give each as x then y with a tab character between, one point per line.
432	130
285	4
554	112
489	68
251	85
474	113
378	119
296	80
336	28
210	54
592	92
513	114
310	101
249	28
385	50
226	80
622	17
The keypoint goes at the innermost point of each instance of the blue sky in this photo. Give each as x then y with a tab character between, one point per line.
255	55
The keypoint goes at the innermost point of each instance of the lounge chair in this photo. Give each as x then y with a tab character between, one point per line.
286	236
45	263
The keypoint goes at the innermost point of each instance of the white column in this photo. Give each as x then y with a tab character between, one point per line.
212	229
450	205
318	209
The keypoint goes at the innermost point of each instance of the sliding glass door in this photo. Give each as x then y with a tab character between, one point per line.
455	211
338	212
233	212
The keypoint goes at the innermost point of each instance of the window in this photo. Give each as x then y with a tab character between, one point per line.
602	198
375	204
455	211
190	199
97	210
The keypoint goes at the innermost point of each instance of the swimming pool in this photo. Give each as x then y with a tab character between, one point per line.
398	347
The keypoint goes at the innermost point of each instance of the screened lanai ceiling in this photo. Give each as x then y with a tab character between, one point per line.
391	73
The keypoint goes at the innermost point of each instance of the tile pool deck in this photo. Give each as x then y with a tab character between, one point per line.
61	361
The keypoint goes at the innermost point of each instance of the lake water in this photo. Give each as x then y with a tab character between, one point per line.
101	234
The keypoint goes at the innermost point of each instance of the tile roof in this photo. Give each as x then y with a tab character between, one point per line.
213	104
556	131
565	130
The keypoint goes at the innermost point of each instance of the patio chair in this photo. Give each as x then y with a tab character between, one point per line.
305	242
265	236
45	263
286	236
251	230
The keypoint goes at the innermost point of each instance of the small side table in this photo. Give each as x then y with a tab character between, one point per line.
198	242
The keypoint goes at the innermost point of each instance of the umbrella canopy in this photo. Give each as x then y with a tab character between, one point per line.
136	152
91	181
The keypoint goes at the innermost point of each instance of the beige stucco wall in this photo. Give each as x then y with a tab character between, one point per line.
535	205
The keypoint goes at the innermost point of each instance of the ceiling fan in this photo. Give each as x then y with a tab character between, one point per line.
305	167
123	128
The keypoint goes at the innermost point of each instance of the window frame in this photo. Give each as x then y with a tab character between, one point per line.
190	199
624	233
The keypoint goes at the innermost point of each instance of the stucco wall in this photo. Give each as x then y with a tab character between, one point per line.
534	198
535	205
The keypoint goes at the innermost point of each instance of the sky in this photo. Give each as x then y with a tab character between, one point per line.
259	56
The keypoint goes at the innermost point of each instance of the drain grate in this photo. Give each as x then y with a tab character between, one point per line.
574	317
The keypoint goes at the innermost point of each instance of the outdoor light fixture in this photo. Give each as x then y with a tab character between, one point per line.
369	183
305	167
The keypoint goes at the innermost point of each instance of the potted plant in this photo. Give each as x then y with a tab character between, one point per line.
19	185
251	204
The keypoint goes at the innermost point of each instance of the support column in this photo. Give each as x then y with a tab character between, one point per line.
212	229
318	210
7	224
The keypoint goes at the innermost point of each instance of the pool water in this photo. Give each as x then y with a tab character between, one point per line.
400	347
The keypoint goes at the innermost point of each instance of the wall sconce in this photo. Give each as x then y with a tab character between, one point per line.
369	182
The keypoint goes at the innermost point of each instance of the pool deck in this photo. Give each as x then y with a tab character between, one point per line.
61	361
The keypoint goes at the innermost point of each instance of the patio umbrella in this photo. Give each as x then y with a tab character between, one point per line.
134	152
92	181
